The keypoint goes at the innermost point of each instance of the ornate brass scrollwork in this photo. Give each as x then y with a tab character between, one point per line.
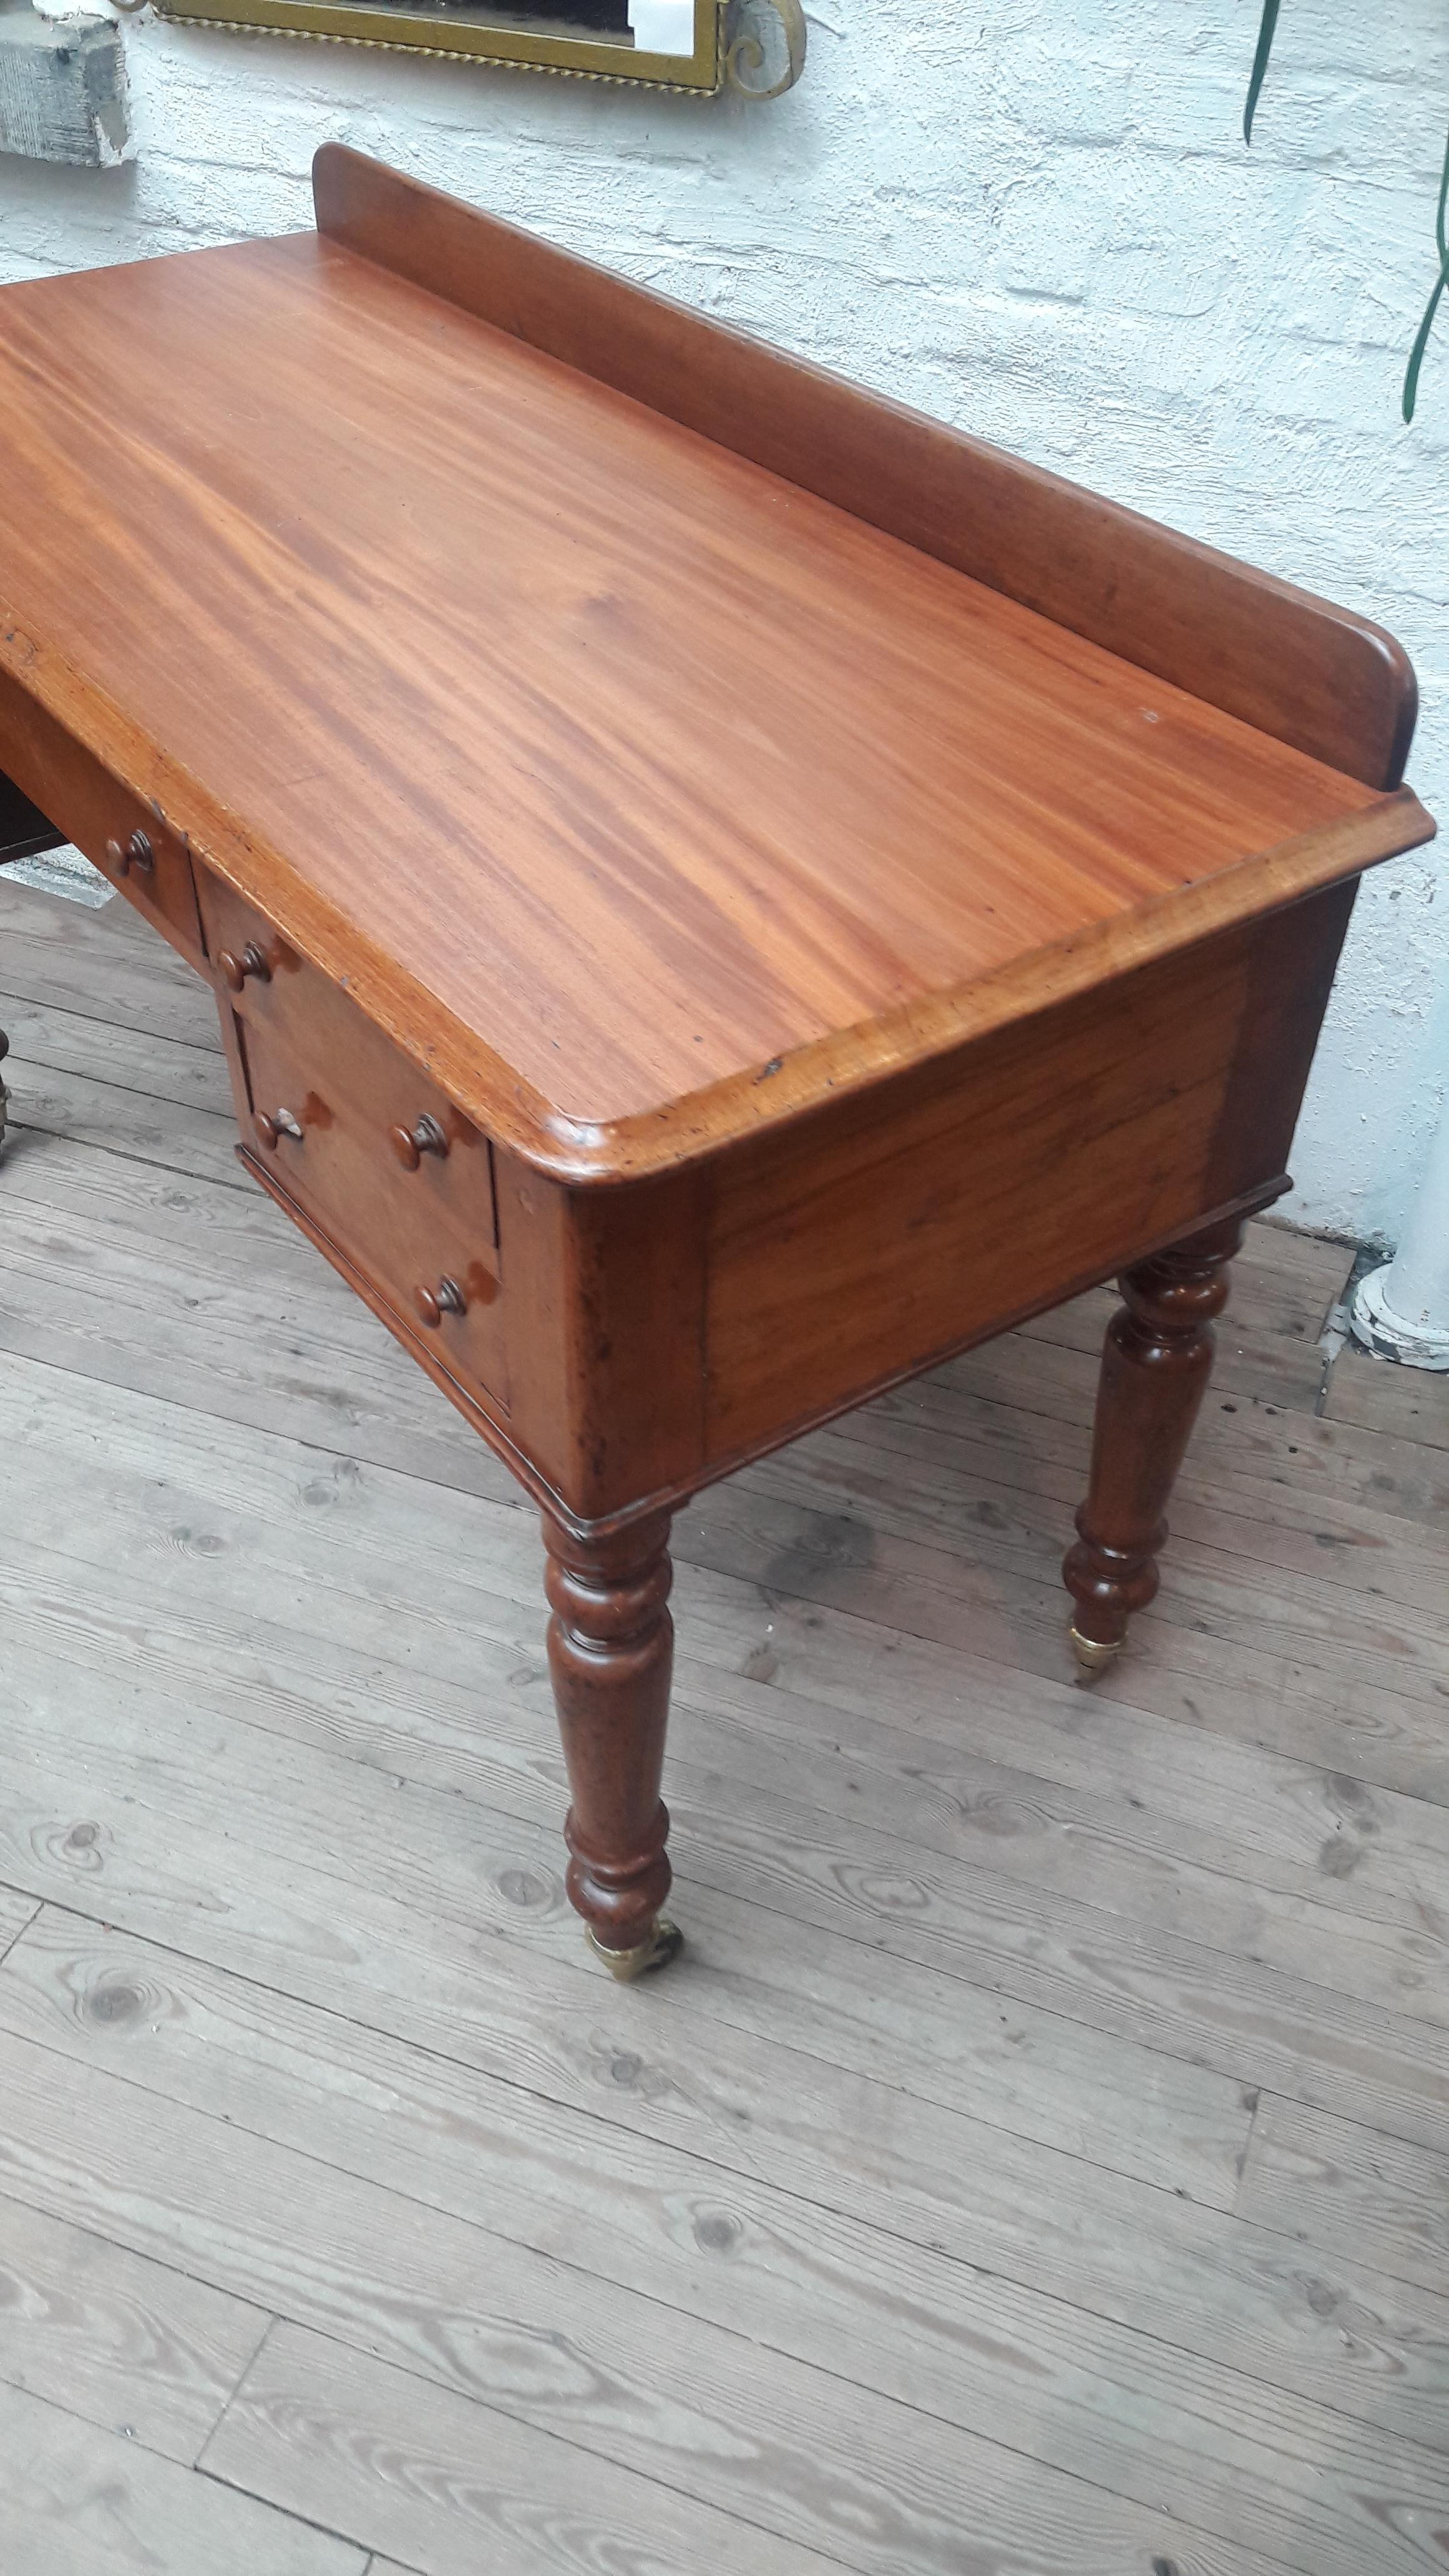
745	55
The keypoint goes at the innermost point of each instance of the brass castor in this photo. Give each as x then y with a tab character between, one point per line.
664	1943
1092	1655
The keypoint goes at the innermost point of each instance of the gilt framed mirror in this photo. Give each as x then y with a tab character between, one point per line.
756	47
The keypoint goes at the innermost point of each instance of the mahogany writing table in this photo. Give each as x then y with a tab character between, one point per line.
721	892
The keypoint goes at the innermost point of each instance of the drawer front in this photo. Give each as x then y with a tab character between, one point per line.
413	1131
436	1265
119	834
152	870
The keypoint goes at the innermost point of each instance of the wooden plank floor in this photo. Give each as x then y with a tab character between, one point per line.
1038	2164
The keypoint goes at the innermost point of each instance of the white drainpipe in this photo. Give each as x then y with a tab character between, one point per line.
1402	1310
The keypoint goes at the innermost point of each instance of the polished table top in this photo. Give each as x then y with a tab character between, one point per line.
608	768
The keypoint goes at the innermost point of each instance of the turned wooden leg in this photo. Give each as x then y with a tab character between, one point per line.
610	1649
1156	1362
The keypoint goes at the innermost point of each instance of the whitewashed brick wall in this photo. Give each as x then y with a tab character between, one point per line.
1034	217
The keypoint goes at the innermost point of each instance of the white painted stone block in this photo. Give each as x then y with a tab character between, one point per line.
62	89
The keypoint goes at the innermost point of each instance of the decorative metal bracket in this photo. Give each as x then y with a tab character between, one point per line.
745	55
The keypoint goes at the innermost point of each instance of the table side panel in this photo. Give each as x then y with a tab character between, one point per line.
860	1246
605	1321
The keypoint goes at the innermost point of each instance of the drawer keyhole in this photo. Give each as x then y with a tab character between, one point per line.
411	1143
235	970
137	853
446	1299
274	1124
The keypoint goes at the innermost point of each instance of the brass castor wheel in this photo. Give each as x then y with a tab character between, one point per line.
1092	1655
664	1943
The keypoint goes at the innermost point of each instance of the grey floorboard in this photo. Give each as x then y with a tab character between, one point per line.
1038	2160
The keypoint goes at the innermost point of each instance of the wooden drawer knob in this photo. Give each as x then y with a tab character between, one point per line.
234	970
446	1299
273	1124
411	1143
136	853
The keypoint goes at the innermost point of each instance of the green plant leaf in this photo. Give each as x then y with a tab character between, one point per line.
1421	337
1268	28
1260	64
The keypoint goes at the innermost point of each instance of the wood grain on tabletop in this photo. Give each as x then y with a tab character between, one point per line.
1299	668
477	673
